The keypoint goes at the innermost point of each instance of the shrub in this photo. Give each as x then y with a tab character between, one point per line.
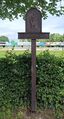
15	81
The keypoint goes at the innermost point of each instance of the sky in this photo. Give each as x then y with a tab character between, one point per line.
52	24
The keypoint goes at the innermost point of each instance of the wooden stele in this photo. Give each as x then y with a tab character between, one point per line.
33	25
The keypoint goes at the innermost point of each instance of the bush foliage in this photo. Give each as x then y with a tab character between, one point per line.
15	81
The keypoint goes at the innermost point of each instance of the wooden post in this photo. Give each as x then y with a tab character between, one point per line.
33	75
33	31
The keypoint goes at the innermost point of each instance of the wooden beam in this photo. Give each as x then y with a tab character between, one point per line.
42	35
33	75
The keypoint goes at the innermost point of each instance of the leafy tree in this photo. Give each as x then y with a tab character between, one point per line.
3	39
63	37
56	37
13	8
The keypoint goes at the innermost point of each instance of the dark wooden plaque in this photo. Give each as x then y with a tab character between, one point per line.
42	35
33	20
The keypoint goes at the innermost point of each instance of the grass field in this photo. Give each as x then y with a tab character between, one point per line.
59	53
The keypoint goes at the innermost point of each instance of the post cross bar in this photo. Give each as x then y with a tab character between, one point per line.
42	35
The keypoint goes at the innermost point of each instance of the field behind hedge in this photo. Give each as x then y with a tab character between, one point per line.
3	52
15	82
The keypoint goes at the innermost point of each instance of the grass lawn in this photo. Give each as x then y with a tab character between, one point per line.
59	53
3	53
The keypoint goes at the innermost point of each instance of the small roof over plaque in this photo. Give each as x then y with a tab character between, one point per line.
33	21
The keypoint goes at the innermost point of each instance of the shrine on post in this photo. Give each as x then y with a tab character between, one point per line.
33	31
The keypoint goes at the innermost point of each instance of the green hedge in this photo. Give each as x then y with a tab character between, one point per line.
15	81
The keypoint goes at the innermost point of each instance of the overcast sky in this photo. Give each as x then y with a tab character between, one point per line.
10	29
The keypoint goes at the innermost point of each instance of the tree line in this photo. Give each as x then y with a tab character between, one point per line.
55	37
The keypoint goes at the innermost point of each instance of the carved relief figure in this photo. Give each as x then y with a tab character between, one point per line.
33	22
